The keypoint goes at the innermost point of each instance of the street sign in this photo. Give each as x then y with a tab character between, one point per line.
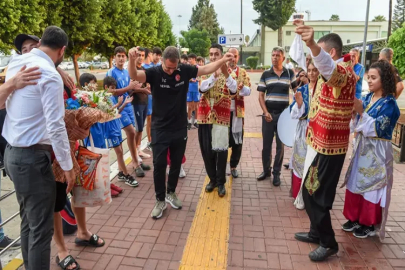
231	39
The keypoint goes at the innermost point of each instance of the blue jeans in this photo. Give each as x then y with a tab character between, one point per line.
1	229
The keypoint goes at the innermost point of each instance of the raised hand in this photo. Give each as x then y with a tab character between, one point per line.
228	57
128	99
133	53
120	99
299	99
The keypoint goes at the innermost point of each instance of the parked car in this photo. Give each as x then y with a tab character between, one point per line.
104	65
96	65
63	65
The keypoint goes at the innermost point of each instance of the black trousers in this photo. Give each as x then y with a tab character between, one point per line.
163	140
325	170
215	162
34	182
236	148
269	129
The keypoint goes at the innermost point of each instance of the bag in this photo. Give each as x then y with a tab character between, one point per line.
88	163
68	219
101	193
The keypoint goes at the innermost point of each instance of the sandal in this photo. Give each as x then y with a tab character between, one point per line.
93	241
66	262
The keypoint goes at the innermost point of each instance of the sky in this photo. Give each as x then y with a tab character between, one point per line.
229	12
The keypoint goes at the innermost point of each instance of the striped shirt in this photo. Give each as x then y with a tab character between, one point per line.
276	88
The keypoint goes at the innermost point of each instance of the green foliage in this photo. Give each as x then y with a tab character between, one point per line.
252	61
165	34
274	13
9	23
197	41
396	42
204	17
399	15
334	18
379	18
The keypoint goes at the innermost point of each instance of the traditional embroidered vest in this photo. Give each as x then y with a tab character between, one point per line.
331	110
242	80
220	113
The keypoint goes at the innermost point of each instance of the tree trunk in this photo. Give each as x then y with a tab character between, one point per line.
389	20
280	37
110	61
77	73
262	44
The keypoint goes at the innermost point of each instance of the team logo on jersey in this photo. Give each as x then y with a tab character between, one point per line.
177	77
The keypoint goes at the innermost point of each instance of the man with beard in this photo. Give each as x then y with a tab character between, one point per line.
214	117
237	111
34	128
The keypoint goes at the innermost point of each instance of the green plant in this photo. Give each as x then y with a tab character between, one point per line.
396	42
252	61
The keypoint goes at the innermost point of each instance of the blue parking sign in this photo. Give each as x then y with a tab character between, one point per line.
222	40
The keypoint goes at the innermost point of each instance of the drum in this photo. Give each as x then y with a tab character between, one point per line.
286	128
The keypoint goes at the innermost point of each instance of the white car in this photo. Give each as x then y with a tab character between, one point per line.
63	65
70	66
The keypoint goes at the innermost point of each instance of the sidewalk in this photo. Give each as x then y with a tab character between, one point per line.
260	227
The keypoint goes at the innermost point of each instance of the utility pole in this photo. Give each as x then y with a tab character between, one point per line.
241	31
389	20
363	56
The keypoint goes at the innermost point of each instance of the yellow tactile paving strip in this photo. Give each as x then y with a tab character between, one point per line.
252	135
207	242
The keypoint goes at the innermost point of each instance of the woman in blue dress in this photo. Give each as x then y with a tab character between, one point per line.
369	178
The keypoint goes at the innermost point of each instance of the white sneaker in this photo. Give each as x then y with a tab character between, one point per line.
139	159
142	154
182	172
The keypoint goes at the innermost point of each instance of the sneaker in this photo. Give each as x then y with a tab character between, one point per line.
189	126
149	147
173	200
350	226
364	231
139	171
121	177
114	193
157	211
182	172
195	124
139	159
168	170
145	167
116	188
142	154
131	181
7	241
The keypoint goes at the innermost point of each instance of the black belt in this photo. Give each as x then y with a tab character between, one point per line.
44	147
276	112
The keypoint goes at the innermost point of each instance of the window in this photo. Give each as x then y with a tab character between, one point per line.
288	33
287	49
348	41
319	34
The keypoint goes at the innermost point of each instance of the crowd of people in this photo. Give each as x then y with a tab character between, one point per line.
169	94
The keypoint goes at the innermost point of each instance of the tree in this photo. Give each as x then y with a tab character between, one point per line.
197	41
32	14
396	42
165	36
204	17
80	20
252	62
9	21
399	15
274	14
334	18
379	18
114	31
247	39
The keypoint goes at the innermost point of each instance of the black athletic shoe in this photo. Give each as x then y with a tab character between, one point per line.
321	253
189	126
364	232
350	226
121	177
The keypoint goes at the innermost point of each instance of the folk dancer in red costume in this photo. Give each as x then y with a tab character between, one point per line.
327	137
237	112
214	114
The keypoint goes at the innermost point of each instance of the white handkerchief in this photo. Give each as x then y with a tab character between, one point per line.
297	52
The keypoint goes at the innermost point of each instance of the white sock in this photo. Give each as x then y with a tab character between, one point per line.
189	121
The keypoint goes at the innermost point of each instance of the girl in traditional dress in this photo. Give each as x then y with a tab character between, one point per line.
299	110
370	175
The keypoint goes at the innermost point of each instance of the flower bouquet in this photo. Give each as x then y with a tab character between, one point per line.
82	110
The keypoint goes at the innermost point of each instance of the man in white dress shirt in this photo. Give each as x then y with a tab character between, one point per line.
34	126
